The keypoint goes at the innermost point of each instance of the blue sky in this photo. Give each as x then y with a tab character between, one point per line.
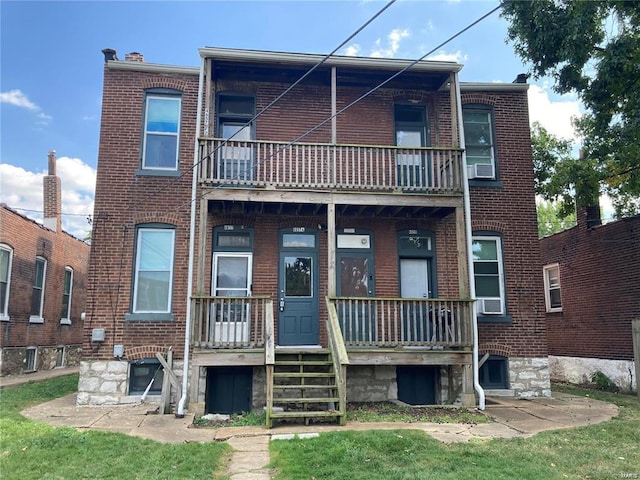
51	66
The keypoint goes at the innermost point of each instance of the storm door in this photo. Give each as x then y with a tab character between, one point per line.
298	303
411	134
355	284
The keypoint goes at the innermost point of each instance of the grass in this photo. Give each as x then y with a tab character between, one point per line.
603	451
30	449
391	412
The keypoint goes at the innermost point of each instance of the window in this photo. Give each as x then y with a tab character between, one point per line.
142	373
479	142
235	161
6	258
412	134
153	270
552	288
60	357
161	132
65	312
494	373
488	275
30	359
37	298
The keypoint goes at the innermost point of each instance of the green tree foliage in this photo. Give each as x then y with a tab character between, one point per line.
593	49
550	220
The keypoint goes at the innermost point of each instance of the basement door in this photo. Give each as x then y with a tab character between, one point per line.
298	305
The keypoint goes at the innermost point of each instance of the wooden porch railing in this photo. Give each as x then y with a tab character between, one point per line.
339	356
230	322
333	167
393	322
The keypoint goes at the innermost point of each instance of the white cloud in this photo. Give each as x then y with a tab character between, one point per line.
22	190
352	50
17	98
392	44
554	116
443	56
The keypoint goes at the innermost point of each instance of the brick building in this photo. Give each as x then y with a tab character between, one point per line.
592	293
312	257
43	285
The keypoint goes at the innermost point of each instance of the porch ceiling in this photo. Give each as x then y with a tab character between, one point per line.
231	207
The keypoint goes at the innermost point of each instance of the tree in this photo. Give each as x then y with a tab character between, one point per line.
550	220
592	49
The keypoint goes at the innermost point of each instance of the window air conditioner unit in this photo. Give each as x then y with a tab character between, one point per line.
490	306
480	170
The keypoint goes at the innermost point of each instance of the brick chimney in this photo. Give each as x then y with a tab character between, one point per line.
52	196
134	57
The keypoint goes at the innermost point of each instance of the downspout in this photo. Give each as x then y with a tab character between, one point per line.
467	221
192	240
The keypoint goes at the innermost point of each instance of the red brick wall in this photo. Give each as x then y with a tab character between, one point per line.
509	209
28	240
600	289
124	200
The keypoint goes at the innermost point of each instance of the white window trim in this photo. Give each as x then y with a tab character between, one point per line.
214	270
490	114
177	134
35	359
501	281
40	318
137	268
547	287
66	320
4	309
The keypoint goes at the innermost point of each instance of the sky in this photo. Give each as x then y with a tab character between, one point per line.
51	67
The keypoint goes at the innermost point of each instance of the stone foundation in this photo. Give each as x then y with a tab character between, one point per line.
13	359
579	370
107	383
529	377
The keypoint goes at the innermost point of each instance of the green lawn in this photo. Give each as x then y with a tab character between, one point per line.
605	451
34	450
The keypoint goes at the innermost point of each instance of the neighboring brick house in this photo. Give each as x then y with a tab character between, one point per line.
592	293
43	286
311	241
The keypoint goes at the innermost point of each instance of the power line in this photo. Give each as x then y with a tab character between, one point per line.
62	213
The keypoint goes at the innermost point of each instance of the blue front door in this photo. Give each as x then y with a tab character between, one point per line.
298	316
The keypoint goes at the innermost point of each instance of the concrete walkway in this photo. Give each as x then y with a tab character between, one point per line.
511	418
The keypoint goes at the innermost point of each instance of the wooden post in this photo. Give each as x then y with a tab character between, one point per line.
202	246
461	247
635	328
165	397
331	246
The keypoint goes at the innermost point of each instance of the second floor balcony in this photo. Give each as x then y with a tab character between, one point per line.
331	167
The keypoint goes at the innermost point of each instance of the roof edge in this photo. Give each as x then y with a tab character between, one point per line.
334	60
493	87
151	67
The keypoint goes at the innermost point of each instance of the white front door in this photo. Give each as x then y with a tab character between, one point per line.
414	278
231	278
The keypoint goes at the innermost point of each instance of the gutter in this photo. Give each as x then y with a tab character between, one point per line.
192	239
467	221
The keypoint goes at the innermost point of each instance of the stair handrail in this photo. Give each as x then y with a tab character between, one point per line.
339	357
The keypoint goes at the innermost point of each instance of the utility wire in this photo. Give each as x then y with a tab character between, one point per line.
61	213
365	95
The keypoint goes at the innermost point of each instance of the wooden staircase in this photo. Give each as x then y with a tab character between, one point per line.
302	386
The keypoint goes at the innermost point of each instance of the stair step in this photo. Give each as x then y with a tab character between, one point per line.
303	375
277	401
306	414
302	387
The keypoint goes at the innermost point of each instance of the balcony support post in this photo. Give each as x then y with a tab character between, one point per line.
202	243
461	245
331	247
334	120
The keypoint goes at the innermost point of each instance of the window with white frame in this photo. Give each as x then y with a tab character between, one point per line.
6	258
552	296
67	287
153	276
479	142
37	297
161	132
31	359
488	275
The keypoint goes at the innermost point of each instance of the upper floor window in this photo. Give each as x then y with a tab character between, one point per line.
479	142
235	161
411	128
161	132
37	297
488	274
153	271
6	258
65	311
552	298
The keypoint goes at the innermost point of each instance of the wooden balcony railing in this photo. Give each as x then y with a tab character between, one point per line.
330	167
230	322
393	322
